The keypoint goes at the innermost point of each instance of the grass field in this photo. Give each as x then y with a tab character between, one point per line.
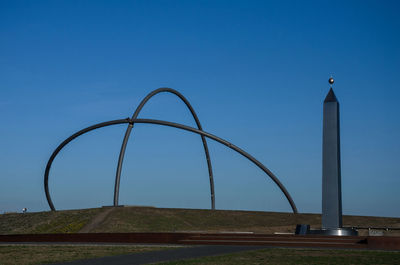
42	254
297	256
148	219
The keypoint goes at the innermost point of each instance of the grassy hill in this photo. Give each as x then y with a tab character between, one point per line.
46	222
148	219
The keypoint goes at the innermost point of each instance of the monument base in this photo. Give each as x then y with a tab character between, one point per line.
342	231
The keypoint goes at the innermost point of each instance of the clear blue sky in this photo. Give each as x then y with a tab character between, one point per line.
256	72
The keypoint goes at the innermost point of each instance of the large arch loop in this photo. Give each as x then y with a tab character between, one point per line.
130	127
170	124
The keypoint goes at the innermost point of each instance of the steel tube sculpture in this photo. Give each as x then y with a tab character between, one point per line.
130	127
164	123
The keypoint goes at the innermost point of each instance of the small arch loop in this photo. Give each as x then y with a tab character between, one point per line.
130	127
64	143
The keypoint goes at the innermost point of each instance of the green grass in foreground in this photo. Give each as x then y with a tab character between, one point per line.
298	256
42	254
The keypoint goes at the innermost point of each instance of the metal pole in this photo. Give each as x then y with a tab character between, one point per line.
120	160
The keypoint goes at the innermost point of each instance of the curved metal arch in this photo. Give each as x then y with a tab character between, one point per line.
170	124
64	143
130	127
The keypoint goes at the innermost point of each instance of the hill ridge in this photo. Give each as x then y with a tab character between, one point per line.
150	219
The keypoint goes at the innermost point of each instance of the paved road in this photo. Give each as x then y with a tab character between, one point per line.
163	255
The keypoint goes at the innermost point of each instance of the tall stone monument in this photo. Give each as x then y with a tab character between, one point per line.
331	176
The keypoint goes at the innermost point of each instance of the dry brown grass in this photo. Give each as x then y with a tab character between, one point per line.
138	219
70	221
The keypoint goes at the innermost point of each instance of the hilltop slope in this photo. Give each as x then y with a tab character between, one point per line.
148	219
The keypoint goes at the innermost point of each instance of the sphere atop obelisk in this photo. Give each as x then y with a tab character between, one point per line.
330	97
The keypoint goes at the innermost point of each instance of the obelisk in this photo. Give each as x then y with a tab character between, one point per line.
331	176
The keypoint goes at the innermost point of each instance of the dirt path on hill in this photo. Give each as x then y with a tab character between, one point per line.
98	219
